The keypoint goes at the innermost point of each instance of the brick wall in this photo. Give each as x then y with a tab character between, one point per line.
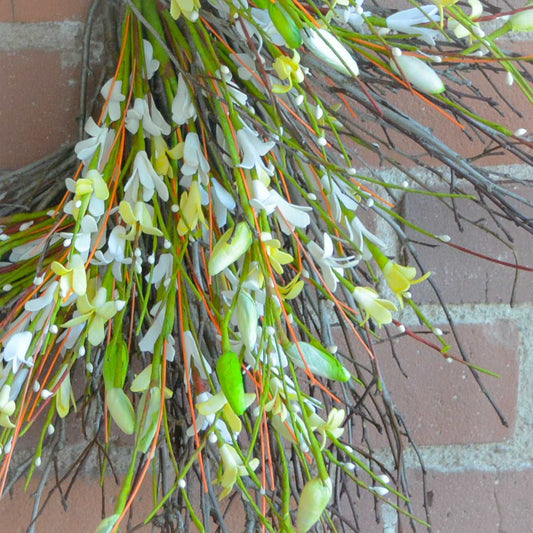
480	473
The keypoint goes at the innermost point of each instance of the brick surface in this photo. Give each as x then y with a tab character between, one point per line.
440	402
79	511
38	107
476	502
50	10
6	11
463	278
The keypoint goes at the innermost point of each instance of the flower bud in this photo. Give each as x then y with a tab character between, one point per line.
285	24
523	20
121	410
329	49
230	377
420	75
319	362
313	500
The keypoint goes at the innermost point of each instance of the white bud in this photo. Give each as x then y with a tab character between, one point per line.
45	394
37	462
395	51
50	429
7	287
89	367
444	238
167	245
509	79
520	132
299	100
53	329
81	351
438	332
36	386
419	74
174	208
321	141
401	328
212	438
182	483
311	196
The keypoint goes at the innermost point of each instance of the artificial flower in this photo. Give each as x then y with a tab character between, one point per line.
73	277
253	149
112	92
16	349
288	69
233	468
408	21
373	306
140	218
190	209
189	9
7	407
149	116
144	173
95	310
330	266
183	108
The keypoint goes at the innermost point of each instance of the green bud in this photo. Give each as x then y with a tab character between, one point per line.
230	377
522	21
321	363
121	410
286	25
313	500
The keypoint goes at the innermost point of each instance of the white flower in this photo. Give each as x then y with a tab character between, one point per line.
183	108
115	253
194	161
113	97
162	272
329	49
233	468
82	241
144	173
264	22
222	202
153	122
193	356
151	64
16	348
46	299
352	14
358	232
406	22
337	196
147	343
99	137
236	95
329	265
289	215
253	149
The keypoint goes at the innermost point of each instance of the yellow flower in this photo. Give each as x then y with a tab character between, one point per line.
73	278
7	407
373	306
287	69
400	278
139	218
332	426
96	312
274	252
190	209
189	9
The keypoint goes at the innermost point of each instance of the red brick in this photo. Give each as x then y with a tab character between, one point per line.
50	10
81	511
6	11
38	108
476	502
463	278
440	402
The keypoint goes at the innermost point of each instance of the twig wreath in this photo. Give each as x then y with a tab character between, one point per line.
230	251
